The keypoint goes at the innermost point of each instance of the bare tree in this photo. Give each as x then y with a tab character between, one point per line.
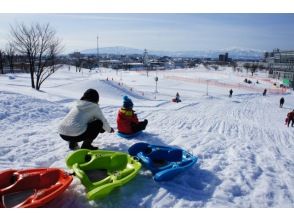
234	65
25	41
49	65
10	54
1	61
246	66
40	45
253	68
78	61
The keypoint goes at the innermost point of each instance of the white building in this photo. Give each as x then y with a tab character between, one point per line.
281	66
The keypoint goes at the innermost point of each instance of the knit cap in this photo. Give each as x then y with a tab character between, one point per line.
127	102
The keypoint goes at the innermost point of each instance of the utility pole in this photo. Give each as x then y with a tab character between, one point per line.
98	50
146	61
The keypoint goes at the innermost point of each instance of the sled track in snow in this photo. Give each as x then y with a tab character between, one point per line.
246	159
129	91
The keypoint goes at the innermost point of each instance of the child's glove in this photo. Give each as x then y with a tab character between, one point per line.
111	130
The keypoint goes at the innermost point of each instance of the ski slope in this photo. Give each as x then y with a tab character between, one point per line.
245	151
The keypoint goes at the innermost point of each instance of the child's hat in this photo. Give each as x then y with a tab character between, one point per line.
127	102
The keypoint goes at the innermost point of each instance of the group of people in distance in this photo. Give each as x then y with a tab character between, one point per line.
231	92
290	116
85	121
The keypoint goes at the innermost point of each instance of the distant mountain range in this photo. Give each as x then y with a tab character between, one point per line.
235	53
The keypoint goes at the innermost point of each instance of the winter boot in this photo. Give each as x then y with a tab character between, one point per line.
145	123
73	145
87	144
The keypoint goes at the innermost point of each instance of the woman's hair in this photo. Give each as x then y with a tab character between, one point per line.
91	95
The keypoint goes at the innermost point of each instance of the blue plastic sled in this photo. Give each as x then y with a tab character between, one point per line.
128	136
165	162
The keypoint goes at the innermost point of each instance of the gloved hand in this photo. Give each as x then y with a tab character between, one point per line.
111	130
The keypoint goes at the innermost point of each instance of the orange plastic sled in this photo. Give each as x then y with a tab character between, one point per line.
31	188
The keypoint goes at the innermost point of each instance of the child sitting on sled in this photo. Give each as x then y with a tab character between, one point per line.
177	99
127	120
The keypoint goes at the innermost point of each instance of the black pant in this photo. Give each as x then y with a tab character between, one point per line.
140	126
93	129
290	120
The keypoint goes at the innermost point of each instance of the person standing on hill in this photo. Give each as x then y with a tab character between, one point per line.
290	118
84	122
231	93
264	92
282	100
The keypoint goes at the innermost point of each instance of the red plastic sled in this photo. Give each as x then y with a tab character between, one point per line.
31	188
175	100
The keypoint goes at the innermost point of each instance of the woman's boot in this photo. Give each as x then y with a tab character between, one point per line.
87	144
73	145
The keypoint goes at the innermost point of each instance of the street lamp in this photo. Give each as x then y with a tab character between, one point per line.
156	80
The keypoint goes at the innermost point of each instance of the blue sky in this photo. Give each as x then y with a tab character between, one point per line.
171	32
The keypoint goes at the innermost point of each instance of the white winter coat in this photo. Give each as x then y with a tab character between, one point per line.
76	121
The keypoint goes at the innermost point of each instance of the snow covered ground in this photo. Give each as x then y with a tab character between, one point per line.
245	151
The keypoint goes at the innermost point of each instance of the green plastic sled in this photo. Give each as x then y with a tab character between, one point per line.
102	171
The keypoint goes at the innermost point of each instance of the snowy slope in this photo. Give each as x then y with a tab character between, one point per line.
245	151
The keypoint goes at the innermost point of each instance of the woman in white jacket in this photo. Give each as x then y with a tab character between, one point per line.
84	122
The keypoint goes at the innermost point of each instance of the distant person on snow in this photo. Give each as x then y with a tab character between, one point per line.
177	99
127	120
231	93
282	100
264	92
290	118
84	122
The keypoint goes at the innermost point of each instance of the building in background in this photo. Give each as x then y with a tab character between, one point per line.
281	66
224	58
